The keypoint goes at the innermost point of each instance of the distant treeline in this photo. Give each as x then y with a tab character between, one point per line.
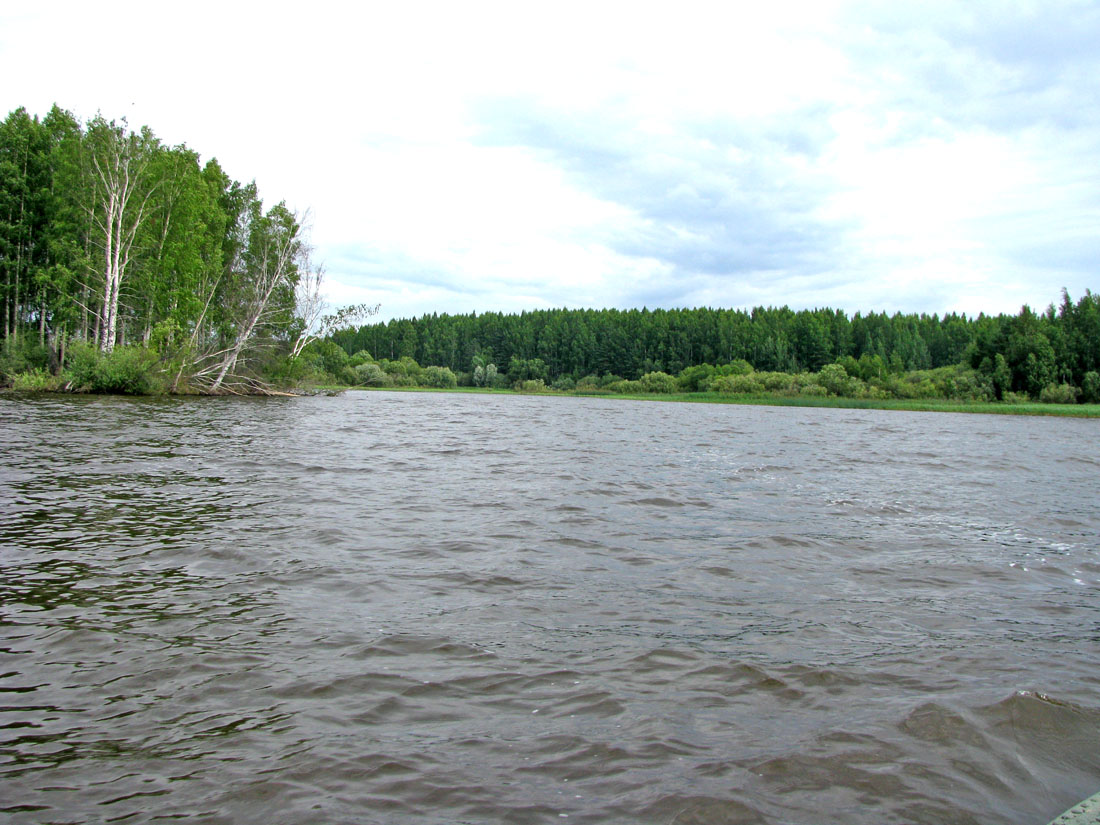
1025	353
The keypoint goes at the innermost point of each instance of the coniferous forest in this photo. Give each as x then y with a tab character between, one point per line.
1053	355
127	265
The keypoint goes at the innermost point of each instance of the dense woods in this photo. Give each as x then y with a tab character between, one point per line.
126	263
990	357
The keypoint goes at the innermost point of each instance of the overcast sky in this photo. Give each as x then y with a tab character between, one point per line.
463	156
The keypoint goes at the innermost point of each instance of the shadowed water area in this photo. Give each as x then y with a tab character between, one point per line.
431	608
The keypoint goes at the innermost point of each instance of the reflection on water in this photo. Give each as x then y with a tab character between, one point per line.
416	608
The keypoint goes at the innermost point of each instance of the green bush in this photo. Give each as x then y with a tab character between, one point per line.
658	382
749	384
626	387
20	357
834	378
564	383
371	375
359	358
695	379
777	381
590	384
439	377
813	390
1059	394
124	370
531	385
1090	387
35	381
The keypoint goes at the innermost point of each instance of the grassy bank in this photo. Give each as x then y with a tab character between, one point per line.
833	402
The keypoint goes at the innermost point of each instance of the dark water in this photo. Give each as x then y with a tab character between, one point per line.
397	608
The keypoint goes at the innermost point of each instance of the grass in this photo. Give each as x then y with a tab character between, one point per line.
833	402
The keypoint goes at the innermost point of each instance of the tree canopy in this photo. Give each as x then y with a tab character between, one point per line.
111	238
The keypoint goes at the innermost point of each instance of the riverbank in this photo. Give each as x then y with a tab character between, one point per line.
835	402
763	400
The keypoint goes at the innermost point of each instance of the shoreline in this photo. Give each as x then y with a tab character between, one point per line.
937	405
1032	408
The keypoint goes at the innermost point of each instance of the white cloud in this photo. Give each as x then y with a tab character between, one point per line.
483	156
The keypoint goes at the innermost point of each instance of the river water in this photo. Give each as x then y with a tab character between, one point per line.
438	608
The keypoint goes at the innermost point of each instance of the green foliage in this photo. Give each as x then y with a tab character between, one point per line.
371	375
531	385
658	382
359	358
590	384
834	378
738	385
1059	394
623	387
696	378
777	381
37	380
527	369
22	356
1090	387
438	377
126	370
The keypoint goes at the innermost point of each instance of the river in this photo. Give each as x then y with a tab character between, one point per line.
439	608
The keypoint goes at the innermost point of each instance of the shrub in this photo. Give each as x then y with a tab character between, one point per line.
124	370
35	381
439	377
660	382
371	375
590	384
696	379
1090	387
22	356
738	385
1016	398
777	381
834	378
359	358
531	385
813	390
564	383
626	387
1059	394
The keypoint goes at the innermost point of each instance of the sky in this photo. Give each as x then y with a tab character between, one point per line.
457	157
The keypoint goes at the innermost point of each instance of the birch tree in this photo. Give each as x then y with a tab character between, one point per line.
264	292
312	319
117	163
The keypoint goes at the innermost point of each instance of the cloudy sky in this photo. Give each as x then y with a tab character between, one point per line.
459	156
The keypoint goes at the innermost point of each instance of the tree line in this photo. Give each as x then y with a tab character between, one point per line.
1021	354
122	257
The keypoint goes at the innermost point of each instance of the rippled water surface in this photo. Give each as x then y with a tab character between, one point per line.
422	608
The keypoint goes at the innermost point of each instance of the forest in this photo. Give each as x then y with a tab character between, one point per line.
127	265
1052	356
